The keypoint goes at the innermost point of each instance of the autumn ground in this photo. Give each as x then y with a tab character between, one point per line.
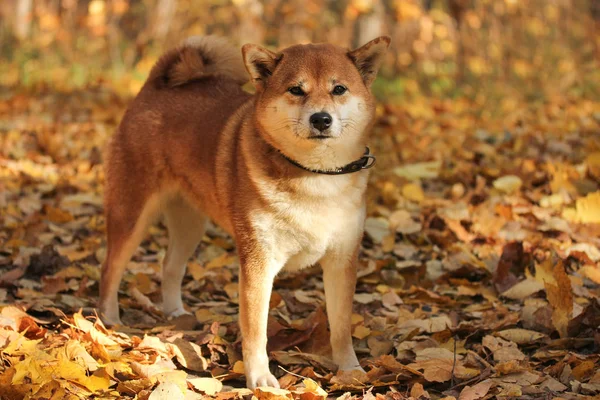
480	265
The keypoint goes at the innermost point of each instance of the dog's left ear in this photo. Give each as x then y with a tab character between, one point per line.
369	57
260	63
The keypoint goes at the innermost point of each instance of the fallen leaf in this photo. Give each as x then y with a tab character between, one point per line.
269	393
208	386
377	228
310	391
361	332
587	210
560	297
476	392
413	192
521	336
425	170
508	184
523	289
167	391
417	392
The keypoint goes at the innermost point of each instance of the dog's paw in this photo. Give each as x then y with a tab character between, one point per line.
263	378
110	322
351	368
347	361
178	312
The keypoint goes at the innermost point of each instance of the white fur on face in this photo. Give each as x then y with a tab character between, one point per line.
288	125
284	117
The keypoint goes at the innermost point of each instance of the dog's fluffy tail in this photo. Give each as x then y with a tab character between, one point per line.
199	57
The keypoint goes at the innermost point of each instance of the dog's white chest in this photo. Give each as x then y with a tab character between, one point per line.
300	231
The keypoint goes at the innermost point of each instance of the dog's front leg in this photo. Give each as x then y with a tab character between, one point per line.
339	278
257	272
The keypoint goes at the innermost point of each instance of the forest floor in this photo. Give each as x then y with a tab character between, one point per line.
479	274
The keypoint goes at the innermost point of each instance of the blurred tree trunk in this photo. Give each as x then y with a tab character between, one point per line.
251	29
457	9
370	25
595	33
23	19
165	11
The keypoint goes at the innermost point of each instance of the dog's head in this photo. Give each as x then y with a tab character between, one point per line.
314	101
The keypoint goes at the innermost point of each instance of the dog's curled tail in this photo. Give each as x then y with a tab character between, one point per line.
199	57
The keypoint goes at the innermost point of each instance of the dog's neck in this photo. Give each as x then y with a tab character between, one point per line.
328	155
365	162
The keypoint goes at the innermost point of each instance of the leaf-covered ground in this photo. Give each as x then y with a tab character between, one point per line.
480	272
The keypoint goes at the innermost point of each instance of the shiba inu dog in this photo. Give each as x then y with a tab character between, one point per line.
283	171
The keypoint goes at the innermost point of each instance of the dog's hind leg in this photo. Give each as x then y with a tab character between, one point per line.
126	225
186	227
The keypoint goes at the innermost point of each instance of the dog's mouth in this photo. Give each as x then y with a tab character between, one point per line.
319	137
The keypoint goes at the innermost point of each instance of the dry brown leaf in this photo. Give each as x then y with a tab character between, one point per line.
132	387
521	336
189	355
560	297
208	386
167	391
476	392
440	370
269	393
503	350
350	378
524	289
417	392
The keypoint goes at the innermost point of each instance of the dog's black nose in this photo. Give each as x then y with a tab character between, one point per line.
321	120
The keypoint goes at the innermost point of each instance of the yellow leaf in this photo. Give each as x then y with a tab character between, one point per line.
221	261
310	391
413	192
21	346
231	289
269	393
96	383
356	318
508	184
587	210
238	368
361	332
196	270
425	170
30	369
591	272
74	350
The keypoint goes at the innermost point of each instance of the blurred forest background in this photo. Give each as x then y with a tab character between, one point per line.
480	265
486	50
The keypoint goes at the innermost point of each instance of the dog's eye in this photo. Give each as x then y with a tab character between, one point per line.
296	91
339	90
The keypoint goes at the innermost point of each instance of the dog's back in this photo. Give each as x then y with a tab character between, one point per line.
175	123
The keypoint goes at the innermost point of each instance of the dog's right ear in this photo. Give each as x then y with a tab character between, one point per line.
260	63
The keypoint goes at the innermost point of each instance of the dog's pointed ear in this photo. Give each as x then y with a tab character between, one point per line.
259	62
369	57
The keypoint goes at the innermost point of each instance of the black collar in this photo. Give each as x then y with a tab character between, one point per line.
365	162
